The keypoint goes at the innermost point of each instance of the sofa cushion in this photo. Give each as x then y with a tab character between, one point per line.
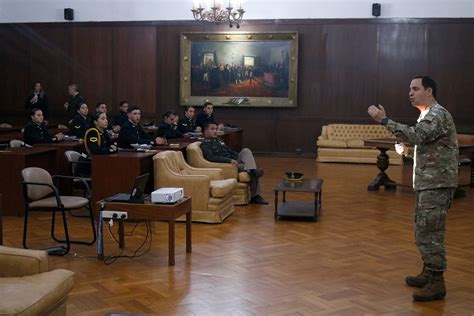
221	188
16	262
331	143
356	143
34	294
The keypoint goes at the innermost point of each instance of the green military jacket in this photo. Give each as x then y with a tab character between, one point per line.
436	148
215	150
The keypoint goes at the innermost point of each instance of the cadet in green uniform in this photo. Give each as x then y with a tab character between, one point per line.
215	150
186	124
36	133
80	122
97	142
435	177
168	129
132	133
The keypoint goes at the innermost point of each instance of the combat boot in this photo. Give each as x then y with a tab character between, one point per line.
419	280
434	290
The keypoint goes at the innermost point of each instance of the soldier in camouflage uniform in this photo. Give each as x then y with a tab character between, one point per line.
215	150
435	177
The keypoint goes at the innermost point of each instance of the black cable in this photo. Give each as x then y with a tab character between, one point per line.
149	234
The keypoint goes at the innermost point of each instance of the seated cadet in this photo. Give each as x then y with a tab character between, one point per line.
102	107
97	142
80	122
215	150
132	133
121	116
36	133
206	116
186	124
168	129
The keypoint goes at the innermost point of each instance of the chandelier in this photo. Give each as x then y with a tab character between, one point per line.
215	13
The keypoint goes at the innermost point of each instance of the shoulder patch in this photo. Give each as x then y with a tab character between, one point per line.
77	126
93	139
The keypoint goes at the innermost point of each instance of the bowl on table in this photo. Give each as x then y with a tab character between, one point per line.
294	176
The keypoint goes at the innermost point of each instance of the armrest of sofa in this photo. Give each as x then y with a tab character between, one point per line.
324	133
212	173
15	262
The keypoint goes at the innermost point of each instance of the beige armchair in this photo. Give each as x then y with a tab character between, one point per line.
212	196
197	160
28	288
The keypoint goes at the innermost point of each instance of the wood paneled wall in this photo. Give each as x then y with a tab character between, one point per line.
344	66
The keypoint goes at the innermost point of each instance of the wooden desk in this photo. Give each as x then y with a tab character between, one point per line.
233	139
115	173
382	179
153	212
12	162
63	167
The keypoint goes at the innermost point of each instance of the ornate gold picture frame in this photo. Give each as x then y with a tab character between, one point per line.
239	69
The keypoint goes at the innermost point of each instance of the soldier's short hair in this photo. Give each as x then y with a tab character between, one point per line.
207	103
123	102
207	124
168	114
132	108
427	82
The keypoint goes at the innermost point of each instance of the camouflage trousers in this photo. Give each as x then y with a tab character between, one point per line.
430	223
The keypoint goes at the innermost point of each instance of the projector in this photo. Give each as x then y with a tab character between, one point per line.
167	195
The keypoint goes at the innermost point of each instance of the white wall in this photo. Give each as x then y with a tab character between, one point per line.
146	10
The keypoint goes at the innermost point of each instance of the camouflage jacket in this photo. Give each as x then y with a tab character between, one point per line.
215	150
436	148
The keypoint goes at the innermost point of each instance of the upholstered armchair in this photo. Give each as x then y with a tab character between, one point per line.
28	288
197	160
212	196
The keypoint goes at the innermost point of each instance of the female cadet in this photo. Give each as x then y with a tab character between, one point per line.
97	142
36	133
80	122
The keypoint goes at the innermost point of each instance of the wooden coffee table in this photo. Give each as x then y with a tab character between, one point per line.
296	208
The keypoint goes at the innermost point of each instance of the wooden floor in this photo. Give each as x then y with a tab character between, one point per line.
352	262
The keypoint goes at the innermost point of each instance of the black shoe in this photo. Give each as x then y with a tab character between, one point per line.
257	199
256	172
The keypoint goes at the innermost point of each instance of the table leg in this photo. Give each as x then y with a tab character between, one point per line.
171	242
382	178
275	215
121	231
188	231
284	196
316	206
100	239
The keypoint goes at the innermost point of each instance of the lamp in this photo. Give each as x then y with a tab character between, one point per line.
215	13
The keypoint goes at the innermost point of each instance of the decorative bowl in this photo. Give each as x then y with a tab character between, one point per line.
294	176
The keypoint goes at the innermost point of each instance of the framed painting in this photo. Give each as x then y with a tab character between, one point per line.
239	69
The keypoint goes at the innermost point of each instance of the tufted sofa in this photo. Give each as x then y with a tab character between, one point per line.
212	195
345	143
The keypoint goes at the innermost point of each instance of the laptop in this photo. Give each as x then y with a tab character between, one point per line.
137	192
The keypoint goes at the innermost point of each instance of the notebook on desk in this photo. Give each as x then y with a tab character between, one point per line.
136	196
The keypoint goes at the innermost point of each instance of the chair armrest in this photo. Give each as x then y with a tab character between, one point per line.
229	171
55	190
196	186
84	182
15	262
213	173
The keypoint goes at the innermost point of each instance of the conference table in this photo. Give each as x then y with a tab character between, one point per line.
12	162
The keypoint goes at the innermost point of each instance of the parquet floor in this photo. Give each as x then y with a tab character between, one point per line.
352	262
